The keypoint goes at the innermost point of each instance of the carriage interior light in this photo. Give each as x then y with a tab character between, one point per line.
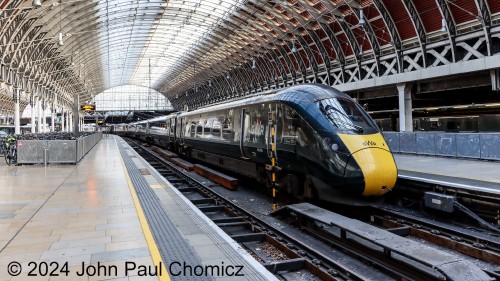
361	17
209	83
253	63
294	49
37	3
443	25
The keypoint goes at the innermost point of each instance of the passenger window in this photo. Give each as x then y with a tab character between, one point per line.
290	120
199	128
227	125
255	124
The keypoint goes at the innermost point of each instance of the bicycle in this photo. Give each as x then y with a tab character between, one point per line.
10	151
3	147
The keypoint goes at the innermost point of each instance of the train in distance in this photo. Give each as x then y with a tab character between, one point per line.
323	144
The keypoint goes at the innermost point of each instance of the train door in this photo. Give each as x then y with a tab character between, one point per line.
254	132
273	130
244	123
179	130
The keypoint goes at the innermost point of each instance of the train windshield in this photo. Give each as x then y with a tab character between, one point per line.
346	116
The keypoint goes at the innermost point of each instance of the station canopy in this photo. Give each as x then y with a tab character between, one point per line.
182	48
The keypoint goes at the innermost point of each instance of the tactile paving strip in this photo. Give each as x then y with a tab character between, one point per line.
171	244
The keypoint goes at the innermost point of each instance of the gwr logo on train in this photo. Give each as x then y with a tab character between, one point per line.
369	143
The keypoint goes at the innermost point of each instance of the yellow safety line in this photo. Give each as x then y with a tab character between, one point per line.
153	248
450	176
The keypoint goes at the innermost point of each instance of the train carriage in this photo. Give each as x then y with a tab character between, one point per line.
325	145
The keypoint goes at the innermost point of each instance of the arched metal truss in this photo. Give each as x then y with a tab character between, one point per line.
199	52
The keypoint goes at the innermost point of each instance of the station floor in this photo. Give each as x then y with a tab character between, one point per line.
58	218
464	173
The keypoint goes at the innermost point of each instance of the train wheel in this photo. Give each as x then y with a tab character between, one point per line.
293	186
309	189
262	177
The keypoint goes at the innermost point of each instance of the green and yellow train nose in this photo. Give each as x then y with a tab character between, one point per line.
373	157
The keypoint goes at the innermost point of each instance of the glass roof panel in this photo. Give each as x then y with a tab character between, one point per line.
175	34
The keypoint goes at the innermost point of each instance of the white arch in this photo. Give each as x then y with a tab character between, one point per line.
131	97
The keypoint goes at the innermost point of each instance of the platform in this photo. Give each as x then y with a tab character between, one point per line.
109	212
460	173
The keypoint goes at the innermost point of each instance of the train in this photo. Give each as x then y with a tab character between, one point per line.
323	144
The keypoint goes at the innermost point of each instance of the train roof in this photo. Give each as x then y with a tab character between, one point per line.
308	93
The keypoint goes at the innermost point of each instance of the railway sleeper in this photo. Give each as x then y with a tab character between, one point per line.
211	209
187	189
286	265
249	237
202	201
227	220
232	224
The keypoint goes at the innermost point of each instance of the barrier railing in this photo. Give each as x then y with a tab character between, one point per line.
462	145
55	151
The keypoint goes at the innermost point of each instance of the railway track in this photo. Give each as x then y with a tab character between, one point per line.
478	243
282	255
481	202
282	250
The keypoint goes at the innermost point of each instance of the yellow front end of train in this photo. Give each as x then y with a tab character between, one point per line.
373	156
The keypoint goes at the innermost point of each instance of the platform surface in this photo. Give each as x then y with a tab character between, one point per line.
464	173
90	213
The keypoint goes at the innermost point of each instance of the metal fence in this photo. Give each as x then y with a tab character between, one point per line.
55	151
478	146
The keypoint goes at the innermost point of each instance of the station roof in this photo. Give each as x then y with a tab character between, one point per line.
177	45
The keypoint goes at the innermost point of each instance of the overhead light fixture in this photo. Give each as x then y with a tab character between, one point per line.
294	49
227	76
493	104
460	106
60	42
253	63
361	17
37	3
443	25
209	83
432	108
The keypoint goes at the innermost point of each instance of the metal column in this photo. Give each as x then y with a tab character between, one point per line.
52	118
17	118
39	115
44	117
405	107
62	120
76	114
32	104
70	118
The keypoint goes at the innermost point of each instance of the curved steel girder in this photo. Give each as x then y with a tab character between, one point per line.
450	25
485	19
419	28
307	49
393	31
309	53
288	61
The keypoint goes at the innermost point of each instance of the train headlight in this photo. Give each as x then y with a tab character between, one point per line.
335	147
